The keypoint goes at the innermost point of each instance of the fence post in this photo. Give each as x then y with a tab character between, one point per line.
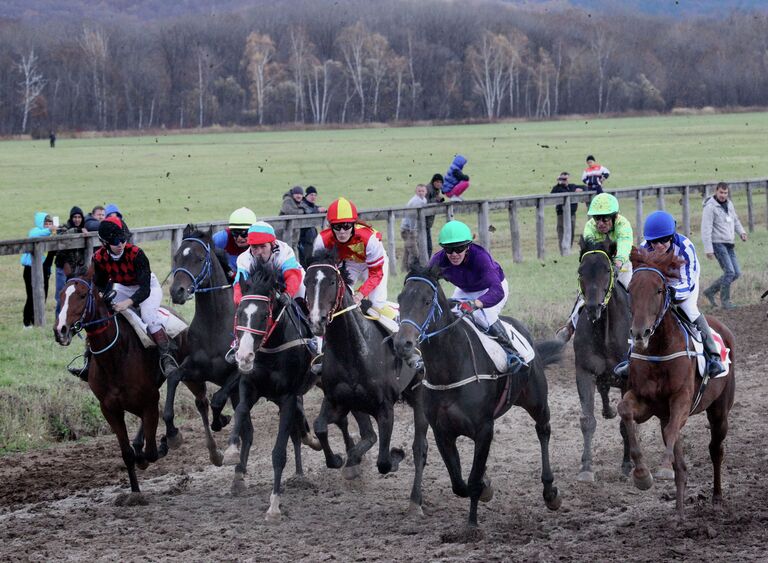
514	232
391	243
638	216
540	252
90	243
38	291
686	211
421	225
766	204
483	222
750	209
660	199
565	246
176	237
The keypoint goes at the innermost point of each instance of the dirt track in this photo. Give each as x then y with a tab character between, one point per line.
66	503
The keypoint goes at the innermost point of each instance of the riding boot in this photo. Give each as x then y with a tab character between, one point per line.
82	372
565	332
714	365
164	347
622	370
725	297
497	330
710	293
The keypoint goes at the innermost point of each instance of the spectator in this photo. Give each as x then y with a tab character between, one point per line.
594	175
291	206
68	261
409	229
719	223
563	186
307	235
52	139
43	228
456	182
93	219
113	211
234	239
434	195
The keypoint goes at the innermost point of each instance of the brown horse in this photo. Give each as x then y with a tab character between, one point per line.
663	380
122	373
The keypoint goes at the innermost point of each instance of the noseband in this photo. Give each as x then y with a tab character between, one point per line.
89	310
667	296
608	293
270	323
435	311
341	288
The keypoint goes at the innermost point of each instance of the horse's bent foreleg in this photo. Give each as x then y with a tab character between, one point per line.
604	388
279	455
328	414
387	461
540	413
201	403
630	408
420	446
219	401
116	421
586	387
171	432
446	445
302	426
476	484
355	454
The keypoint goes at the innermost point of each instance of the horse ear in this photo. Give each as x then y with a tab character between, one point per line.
636	256
188	230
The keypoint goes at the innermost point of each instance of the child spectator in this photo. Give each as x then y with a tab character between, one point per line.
409	228
455	182
43	228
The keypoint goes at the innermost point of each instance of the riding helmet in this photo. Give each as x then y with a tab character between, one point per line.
454	233
341	211
603	204
111	231
242	218
659	224
261	233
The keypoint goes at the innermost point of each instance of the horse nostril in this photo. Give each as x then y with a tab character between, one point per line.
647	333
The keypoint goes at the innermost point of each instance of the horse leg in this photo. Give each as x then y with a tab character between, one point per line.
287	416
718	428
540	414
172	433
302	426
201	403
219	401
671	429
585	384
681	476
116	421
604	389
138	447
352	468
242	414
631	408
328	413
149	418
626	463
388	461
419	453
476	484
244	427
446	445
296	440
665	472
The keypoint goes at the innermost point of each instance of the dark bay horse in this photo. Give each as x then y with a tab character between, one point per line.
274	360
458	401
662	377
198	271
600	342
122	373
362	373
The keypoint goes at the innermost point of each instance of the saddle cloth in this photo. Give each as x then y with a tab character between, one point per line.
388	316
522	346
174	325
725	354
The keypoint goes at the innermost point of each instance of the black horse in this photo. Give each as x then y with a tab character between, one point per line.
274	359
600	343
464	392
199	271
362	372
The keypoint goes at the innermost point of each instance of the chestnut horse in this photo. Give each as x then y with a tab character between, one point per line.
663	379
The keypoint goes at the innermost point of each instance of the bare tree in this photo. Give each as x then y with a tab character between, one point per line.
602	46
94	44
259	50
415	86
31	86
399	65
377	61
205	66
543	78
487	62
352	42
301	48
319	88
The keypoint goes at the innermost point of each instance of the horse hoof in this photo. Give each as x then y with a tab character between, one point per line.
555	502
350	472
311	441
272	516
643	482
396	455
586	477
414	510
467	534
238	484
217	458
175	441
626	469
221	422
232	455
487	493
335	462
665	474
142	463
131	499
609	413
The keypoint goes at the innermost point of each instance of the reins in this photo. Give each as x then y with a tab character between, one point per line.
341	288
609	292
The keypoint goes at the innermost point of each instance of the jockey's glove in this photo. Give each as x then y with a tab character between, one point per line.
284	299
467	307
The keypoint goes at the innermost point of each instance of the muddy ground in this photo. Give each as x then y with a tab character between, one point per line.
67	503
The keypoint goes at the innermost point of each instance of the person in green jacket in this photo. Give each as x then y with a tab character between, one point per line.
605	223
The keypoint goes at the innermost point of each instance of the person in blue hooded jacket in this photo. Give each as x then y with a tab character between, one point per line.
43	228
455	181
112	210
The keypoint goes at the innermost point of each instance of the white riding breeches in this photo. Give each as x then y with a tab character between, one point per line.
149	306
691	305
358	272
486	316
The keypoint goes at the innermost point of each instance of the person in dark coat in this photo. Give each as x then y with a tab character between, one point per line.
434	195
308	235
564	186
68	261
292	200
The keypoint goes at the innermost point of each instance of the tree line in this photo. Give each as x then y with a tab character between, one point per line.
350	61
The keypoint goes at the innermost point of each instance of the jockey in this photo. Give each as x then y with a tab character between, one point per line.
127	267
605	223
359	247
660	232
233	239
479	280
265	248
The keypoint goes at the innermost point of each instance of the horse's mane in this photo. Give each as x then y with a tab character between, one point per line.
608	246
668	263
261	282
432	273
331	257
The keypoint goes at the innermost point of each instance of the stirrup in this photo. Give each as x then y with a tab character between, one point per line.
714	367
168	364
514	362
82	372
565	332
622	370
316	367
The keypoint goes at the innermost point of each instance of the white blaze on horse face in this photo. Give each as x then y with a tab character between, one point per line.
62	322
186	251
314	314
246	342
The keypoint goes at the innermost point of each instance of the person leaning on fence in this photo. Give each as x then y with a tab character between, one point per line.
43	228
564	186
409	228
291	205
68	261
434	195
719	225
234	238
594	175
93	219
605	223
307	235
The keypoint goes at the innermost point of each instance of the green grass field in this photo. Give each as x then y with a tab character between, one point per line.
187	178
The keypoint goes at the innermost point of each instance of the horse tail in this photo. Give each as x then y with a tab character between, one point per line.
549	351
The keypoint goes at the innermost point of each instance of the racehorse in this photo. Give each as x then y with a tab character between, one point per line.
662	377
458	401
274	360
122	373
199	272
362	372
600	342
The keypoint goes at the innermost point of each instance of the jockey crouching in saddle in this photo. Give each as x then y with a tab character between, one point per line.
126	267
480	283
605	223
660	232
233	239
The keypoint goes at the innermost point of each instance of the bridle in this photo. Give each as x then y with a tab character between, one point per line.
341	288
667	296
90	310
609	292
435	311
205	271
269	324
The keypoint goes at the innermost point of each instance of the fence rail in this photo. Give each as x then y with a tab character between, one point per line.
289	224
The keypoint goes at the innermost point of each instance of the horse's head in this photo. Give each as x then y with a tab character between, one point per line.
649	292
419	308
191	265
77	305
596	275
253	318
325	288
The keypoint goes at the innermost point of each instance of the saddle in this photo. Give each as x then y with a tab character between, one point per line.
173	324
523	347
388	316
698	345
